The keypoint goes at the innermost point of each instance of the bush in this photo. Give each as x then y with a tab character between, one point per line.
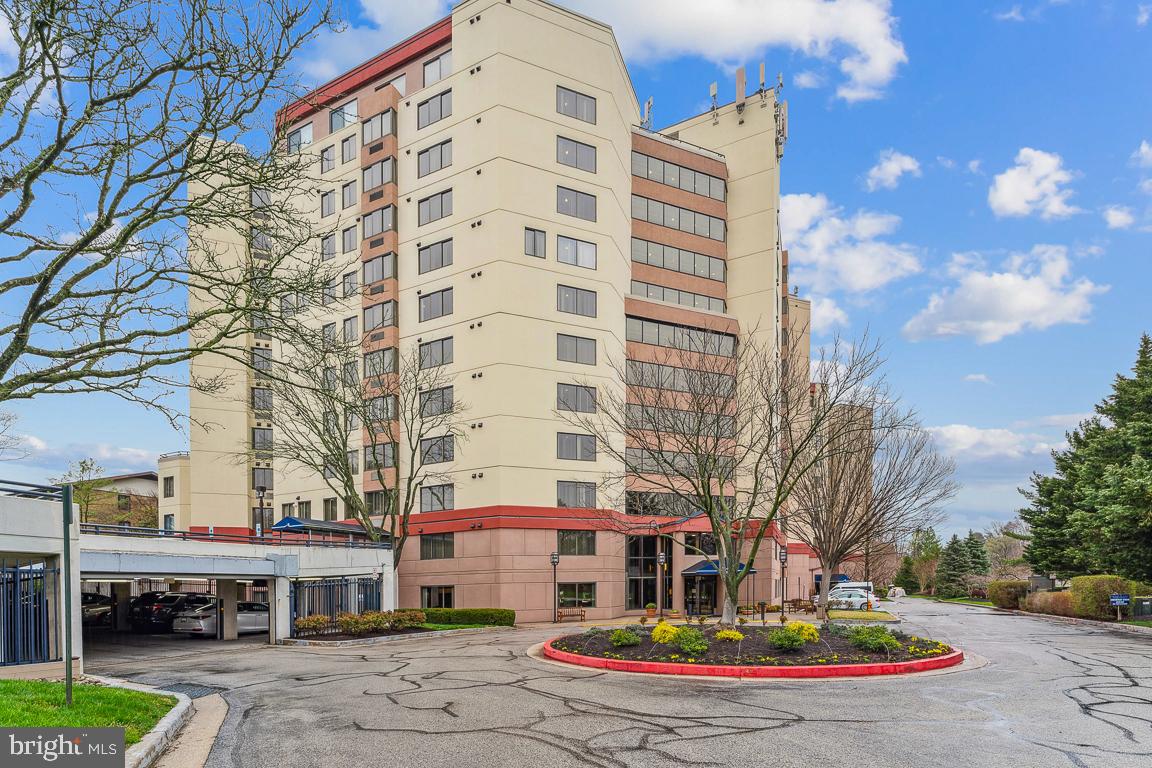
691	640
664	633
309	625
1090	595
786	639
493	617
1007	593
624	637
729	635
351	623
805	630
875	639
405	619
1052	603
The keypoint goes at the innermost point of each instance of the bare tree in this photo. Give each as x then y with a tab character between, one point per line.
399	414
883	480
708	427
123	192
11	444
86	478
1005	543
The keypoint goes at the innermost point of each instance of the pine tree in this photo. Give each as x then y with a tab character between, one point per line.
955	566
906	577
977	555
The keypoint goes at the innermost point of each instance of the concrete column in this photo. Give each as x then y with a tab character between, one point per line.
676	565
226	593
122	596
279	610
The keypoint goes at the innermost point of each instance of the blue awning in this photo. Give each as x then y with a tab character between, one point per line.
708	568
836	577
296	525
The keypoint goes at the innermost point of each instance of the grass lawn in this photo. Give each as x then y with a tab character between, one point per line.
40	704
872	615
1139	622
455	626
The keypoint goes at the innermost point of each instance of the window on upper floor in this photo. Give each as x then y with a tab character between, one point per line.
575	447
379	173
577	495
169	486
575	397
342	116
434	109
379	315
435	402
437	498
437	546
378	126
348	149
437	450
535	242
576	154
327	203
379	268
574	104
438	68
578	253
571	202
350	241
434	256
380	362
575	349
435	353
328	246
299	138
436	304
434	158
434	207
350	331
379	221
327	159
576	301
576	543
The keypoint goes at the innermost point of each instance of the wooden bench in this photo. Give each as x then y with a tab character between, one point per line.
805	606
570	613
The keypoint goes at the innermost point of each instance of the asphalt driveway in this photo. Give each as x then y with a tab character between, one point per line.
1050	695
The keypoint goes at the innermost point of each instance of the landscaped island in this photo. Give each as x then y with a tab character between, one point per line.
40	704
352	626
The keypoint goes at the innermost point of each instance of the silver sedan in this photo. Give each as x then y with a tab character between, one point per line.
250	618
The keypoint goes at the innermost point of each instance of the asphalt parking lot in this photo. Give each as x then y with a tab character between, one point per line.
1049	695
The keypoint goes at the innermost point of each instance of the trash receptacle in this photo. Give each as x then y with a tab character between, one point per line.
1141	607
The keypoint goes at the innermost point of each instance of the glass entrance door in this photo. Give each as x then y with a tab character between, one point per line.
700	595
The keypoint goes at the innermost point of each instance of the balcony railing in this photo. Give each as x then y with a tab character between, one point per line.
268	538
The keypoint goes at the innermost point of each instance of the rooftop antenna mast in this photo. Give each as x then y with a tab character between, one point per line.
646	124
713	91
781	117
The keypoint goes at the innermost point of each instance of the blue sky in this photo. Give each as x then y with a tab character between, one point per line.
971	182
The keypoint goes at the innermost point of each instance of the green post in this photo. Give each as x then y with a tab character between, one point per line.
66	495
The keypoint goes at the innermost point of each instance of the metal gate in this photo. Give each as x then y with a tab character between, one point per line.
330	597
29	604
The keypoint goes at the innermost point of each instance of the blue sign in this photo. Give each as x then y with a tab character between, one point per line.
1119	600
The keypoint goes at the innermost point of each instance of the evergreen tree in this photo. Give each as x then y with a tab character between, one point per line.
955	566
977	555
1094	513
906	577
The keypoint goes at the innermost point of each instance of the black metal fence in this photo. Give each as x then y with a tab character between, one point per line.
326	598
29	607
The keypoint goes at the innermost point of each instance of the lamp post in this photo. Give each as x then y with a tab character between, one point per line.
783	579
555	560
260	491
661	559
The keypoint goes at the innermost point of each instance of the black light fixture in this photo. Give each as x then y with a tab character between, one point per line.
661	559
554	558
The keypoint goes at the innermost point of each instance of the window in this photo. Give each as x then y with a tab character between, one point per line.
435	256
342	116
435	207
380	456
379	173
574	397
328	246
577	543
261	438
382	408
435	498
379	268
380	362
329	331
262	478
350	284
353	459
350	331
436	450
436	546
330	508
169	486
286	510
572	203
576	495
327	159
378	126
576	154
700	542
577	105
575	349
684	298
262	359
380	220
535	242
434	109
348	149
259	198
327	203
674	217
437	304
436	401
348	195
350	373
576	301
575	447
678	260
376	502
434	353
679	337
299	138
261	399
437	597
434	158
399	83
379	315
169	522
663	172
579	253
576	595
349	240
438	68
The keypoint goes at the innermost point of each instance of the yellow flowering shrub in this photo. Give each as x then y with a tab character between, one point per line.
663	633
729	635
805	630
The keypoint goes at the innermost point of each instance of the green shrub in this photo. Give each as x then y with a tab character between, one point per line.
664	633
874	639
1090	595
310	625
1051	603
494	617
405	619
1007	593
352	623
691	640
624	637
786	639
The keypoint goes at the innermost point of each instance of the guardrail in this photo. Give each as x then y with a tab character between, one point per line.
268	538
31	490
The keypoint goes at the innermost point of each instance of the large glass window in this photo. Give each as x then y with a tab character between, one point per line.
299	138
675	217
640	572
579	253
683	298
330	508
380	362
437	546
379	315
434	353
434	109
378	126
435	256
379	173
571	202
576	595
380	456
437	597
575	447
434	158
576	542
575	397
576	301
575	349
438	68
576	154
342	116
261	399
677	259
436	304
435	207
380	220
679	176
574	104
436	498
327	159
379	268
436	401
679	337
348	196
578	495
436	450
348	149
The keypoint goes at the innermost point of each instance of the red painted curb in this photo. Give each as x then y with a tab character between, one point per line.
725	670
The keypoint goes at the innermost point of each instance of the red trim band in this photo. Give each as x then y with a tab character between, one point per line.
725	670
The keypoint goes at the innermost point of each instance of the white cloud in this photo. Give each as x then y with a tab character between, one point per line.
968	443
974	166
978	378
1029	291
1143	155
114	458
1143	14
1015	13
1062	421
945	162
808	79
1034	185
826	315
889	168
830	250
1119	217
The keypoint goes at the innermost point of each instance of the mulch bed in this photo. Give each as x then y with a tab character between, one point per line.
344	636
753	650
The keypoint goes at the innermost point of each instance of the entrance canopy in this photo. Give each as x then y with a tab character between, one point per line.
708	568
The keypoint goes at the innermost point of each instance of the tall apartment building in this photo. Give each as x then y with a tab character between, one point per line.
498	207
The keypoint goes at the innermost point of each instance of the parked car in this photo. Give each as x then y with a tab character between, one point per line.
853	600
95	609
250	617
155	612
859	586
